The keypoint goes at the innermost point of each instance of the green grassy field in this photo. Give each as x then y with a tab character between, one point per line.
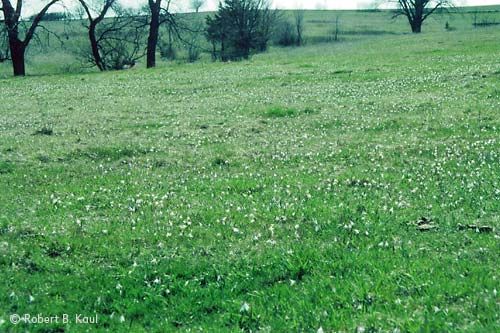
281	194
50	55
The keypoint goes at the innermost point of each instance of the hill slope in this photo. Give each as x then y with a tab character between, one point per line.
282	194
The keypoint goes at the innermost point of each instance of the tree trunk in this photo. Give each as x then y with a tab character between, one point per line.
223	57
246	52
418	18
17	53
95	47
154	27
11	19
214	51
416	27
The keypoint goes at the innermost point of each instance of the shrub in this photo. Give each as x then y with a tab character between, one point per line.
285	34
239	28
120	57
193	53
168	51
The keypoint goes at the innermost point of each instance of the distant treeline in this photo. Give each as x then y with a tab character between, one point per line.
53	16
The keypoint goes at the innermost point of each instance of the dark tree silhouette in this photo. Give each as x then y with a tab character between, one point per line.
197	4
299	26
94	20
160	14
240	27
155	10
417	11
17	44
115	41
154	29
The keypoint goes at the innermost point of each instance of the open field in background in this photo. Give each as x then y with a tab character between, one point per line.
281	194
47	56
355	25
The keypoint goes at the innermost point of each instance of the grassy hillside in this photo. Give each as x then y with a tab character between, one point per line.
66	54
333	186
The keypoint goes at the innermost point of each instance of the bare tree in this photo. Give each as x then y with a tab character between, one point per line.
114	41
299	26
337	28
154	30
160	13
121	39
417	11
167	47
197	4
268	19
193	39
13	24
95	14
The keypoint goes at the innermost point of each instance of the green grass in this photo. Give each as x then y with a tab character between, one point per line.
50	55
280	194
279	112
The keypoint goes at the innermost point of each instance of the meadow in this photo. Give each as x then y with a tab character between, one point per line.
62	47
338	187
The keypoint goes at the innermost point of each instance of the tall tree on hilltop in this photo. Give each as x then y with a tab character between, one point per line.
19	38
197	4
115	34
154	30
160	13
417	11
95	15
